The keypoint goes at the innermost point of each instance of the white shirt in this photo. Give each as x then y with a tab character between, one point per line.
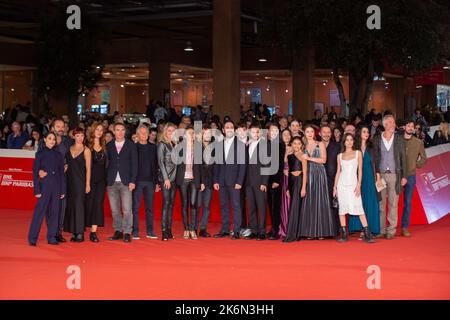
119	146
252	147
387	144
228	143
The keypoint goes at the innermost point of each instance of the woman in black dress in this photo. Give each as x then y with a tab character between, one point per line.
317	221
78	184
298	171
94	200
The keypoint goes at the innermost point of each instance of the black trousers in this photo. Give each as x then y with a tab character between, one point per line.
274	201
256	202
168	197
243	210
188	192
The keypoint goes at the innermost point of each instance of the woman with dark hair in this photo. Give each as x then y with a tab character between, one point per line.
78	161
369	194
347	187
48	189
94	199
33	142
337	135
286	138
316	220
298	171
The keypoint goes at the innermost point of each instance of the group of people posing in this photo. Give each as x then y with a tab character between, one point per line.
315	185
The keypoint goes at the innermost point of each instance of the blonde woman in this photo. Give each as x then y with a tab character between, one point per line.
166	175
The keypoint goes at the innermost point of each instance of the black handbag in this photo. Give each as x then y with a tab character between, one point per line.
335	203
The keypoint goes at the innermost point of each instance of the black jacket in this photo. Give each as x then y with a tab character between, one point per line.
229	172
125	162
181	170
254	176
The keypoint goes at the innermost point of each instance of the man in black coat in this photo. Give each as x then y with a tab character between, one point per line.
333	149
121	181
275	181
229	179
256	186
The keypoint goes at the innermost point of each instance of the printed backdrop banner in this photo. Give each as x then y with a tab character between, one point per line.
433	182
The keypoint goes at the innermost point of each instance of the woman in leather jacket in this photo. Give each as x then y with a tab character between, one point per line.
166	175
188	179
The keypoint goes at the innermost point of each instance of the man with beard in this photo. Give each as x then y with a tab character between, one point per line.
415	158
333	149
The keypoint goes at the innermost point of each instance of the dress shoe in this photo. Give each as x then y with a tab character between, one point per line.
73	238
164	237
406	233
261	237
251	236
93	237
136	236
53	243
151	236
170	235
127	237
117	236
222	235
33	244
235	236
389	236
60	238
380	235
79	237
204	234
274	237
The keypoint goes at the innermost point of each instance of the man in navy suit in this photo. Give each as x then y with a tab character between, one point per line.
121	180
229	180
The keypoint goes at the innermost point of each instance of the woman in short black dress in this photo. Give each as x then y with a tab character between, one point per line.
94	199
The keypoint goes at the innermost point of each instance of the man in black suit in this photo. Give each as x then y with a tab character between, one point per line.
146	182
256	186
274	186
121	181
333	149
229	179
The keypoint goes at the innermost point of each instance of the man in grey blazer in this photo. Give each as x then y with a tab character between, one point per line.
390	163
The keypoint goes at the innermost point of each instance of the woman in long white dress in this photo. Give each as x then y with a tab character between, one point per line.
347	187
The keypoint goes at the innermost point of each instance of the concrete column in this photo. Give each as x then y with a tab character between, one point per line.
226	57
159	73
303	89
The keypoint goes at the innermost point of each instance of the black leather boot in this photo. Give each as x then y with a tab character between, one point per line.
344	235
367	235
93	237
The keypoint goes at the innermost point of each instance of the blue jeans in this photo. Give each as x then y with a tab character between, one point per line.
148	189
407	199
119	195
204	202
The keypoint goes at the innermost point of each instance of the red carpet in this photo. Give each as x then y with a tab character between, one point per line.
415	268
